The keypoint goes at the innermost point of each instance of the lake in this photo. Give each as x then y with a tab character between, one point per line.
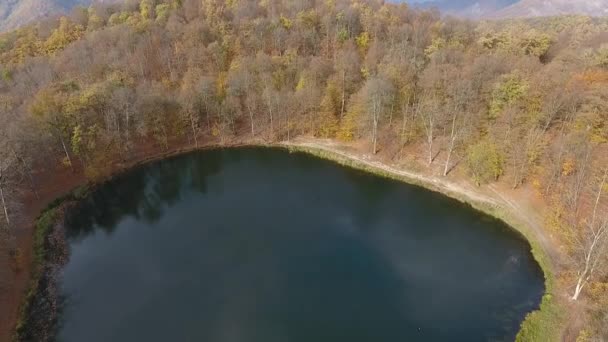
263	245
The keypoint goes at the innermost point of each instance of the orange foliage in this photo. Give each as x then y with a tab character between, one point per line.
593	77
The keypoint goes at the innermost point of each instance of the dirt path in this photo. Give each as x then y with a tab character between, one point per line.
485	195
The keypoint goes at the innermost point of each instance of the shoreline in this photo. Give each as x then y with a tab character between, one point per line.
546	317
542	319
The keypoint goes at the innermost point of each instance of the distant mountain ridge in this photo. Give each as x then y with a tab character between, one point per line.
467	8
539	8
500	9
16	13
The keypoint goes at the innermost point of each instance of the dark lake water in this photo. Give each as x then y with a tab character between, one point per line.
260	245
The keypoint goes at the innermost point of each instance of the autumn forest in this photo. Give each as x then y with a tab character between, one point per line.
521	103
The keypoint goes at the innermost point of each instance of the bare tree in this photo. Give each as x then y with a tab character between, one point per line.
430	115
3	200
462	93
269	94
377	95
525	152
123	99
7	166
592	240
347	67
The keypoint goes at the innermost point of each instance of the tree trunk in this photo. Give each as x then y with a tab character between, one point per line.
591	256
453	137
390	117
251	119
165	137
403	127
67	154
127	114
375	136
8	221
193	131
28	171
288	127
269	101
579	287
343	94
447	161
430	140
207	117
375	126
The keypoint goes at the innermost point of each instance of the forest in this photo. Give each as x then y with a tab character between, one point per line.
523	103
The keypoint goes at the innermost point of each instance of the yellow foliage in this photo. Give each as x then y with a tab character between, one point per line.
328	125
146	9
537	185
554	221
364	72
215	130
175	4
285	22
436	45
66	162
120	78
599	290
95	21
26	44
235	65
309	19
348	126
363	42
221	84
510	89
119	18
329	112
568	167
584	336
66	33
301	83
162	12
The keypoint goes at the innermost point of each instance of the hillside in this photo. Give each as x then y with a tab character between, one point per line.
16	13
538	8
466	8
519	107
499	9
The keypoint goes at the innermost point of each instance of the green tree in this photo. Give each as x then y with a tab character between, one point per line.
509	90
485	162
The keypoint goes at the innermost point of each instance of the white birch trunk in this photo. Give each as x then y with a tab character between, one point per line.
193	130
594	252
8	221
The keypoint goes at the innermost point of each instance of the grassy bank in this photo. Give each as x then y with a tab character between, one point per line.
44	225
542	325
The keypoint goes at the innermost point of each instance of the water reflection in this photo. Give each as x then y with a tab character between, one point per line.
143	193
261	245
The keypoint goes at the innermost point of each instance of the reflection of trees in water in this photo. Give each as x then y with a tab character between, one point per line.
143	193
